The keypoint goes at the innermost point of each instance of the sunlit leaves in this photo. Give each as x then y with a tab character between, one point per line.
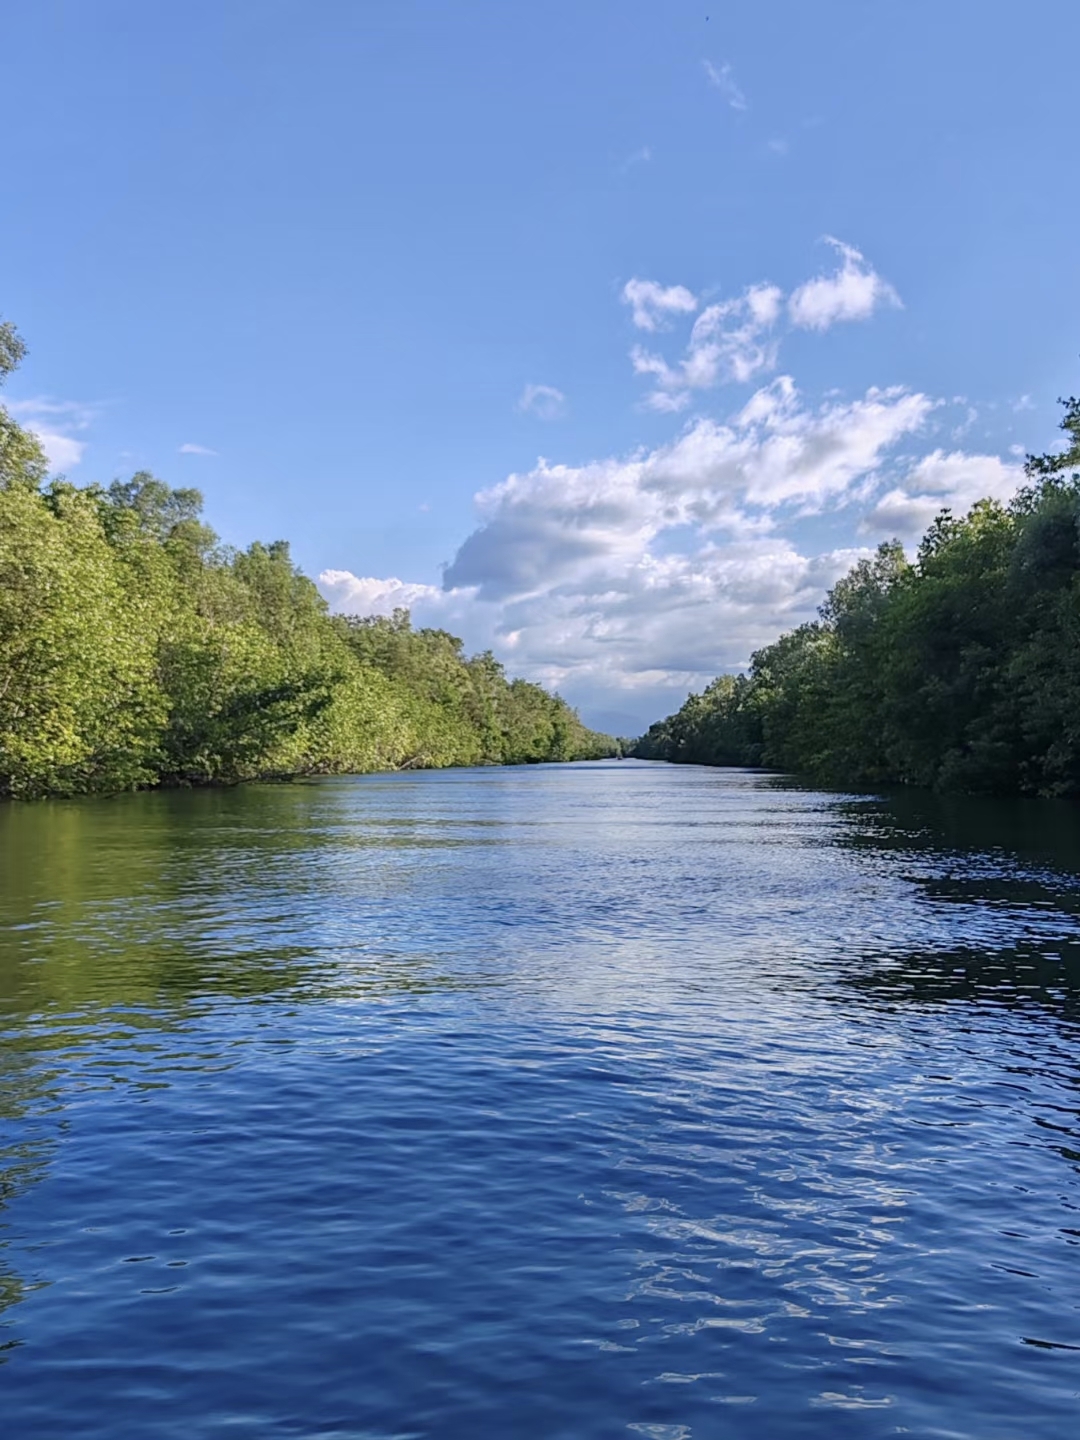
960	671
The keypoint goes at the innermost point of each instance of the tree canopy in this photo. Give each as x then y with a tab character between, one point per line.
958	670
137	650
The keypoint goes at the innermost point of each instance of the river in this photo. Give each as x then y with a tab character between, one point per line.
609	1100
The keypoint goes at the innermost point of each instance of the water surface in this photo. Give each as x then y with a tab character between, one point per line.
579	1101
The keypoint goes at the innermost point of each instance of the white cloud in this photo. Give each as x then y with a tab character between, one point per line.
739	339
543	401
644	575
652	303
724	81
641	635
628	580
364	595
191	449
730	340
57	425
561	525
854	292
63	452
937	481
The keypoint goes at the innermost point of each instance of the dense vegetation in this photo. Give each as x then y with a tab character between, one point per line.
960	671
136	650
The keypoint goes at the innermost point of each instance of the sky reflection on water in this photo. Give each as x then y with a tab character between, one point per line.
569	1101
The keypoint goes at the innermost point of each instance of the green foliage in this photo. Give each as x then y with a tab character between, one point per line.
22	460
12	349
78	702
959	672
135	650
465	711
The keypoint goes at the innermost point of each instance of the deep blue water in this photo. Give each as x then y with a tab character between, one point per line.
610	1100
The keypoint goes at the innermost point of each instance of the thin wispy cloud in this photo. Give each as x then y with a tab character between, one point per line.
723	80
543	401
192	449
639	157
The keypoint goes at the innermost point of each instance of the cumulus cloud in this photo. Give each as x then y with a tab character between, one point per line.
737	340
853	292
563	525
652	303
58	425
722	79
730	340
642	634
629	579
364	595
939	481
643	575
457	610
63	451
543	401
665	622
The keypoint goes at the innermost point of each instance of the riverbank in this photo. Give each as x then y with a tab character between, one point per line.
137	651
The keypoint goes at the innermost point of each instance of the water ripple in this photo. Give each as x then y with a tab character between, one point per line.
564	1102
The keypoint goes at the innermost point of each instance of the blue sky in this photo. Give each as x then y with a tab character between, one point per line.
349	266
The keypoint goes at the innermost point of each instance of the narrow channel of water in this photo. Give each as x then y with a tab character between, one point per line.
572	1101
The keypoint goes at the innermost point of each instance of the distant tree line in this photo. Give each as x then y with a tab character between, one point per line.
137	650
959	671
